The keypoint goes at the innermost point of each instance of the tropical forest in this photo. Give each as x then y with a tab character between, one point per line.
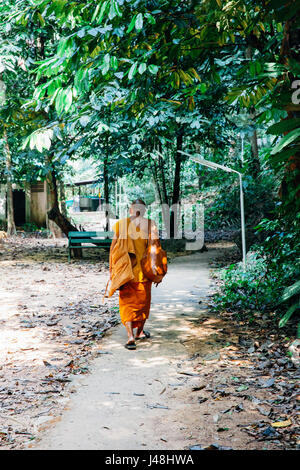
189	109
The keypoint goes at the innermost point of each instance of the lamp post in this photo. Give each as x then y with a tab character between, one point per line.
242	155
215	166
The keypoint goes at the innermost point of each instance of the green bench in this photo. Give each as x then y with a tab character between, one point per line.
89	240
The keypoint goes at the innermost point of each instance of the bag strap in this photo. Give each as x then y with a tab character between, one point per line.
149	229
105	291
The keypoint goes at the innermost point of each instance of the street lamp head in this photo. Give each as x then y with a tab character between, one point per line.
197	158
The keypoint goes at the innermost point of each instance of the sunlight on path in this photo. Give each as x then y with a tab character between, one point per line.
126	401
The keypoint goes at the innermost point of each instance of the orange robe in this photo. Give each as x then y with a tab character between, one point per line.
135	295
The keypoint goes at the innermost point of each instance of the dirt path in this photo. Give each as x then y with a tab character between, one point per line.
201	379
51	319
128	402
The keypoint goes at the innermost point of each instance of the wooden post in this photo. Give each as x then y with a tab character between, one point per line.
11	227
27	202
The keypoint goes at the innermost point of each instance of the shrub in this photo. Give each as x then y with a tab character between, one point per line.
30	227
225	208
249	290
272	269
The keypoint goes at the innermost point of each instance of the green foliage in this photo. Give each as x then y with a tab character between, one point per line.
256	289
114	81
291	292
259	201
282	245
266	284
30	227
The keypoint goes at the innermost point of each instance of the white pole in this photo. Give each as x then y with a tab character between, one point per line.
216	166
242	149
243	222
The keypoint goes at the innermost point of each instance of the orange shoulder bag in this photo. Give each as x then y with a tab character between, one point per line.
154	262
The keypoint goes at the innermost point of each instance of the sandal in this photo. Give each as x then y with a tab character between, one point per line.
130	346
146	335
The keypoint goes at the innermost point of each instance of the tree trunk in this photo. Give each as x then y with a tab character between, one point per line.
163	196
161	193
62	198
161	166
63	223
199	173
106	191
176	185
54	212
156	180
255	163
11	227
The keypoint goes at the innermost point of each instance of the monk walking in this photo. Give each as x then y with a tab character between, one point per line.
127	249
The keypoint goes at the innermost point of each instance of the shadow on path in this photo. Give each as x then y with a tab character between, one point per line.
128	401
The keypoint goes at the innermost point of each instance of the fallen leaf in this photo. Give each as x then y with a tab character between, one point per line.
158	406
281	424
196	389
202	399
267	383
222	429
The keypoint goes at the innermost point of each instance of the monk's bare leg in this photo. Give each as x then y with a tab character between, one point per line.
140	330
129	329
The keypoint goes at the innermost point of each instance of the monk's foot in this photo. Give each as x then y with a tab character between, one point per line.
130	344
143	335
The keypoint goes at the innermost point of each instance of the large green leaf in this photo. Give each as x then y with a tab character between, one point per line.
102	11
291	291
106	64
288	314
96	12
57	6
139	22
153	69
63	100
285	154
132	70
114	9
131	25
150	18
68	99
142	67
283	126
59	101
40	140
286	140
